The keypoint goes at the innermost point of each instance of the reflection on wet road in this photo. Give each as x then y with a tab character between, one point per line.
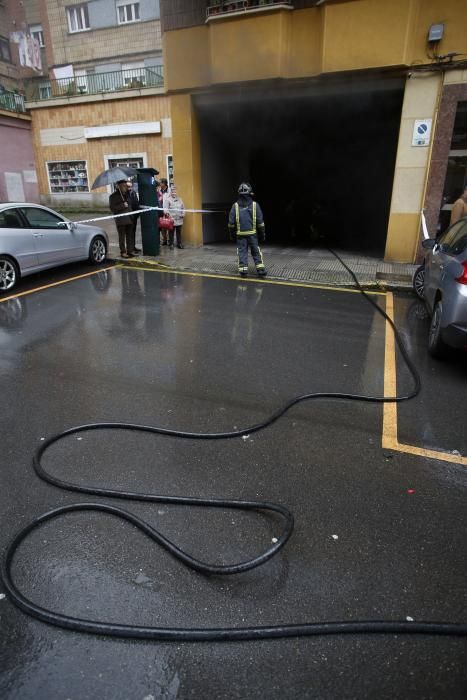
188	352
436	419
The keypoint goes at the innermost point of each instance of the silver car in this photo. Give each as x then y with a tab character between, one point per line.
445	288
34	238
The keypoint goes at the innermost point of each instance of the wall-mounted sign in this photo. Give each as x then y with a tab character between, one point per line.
134	129
422	132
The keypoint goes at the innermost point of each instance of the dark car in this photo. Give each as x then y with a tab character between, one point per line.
442	281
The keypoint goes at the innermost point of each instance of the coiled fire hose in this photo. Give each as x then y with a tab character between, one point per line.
207	634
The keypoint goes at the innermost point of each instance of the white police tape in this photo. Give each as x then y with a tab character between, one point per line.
145	208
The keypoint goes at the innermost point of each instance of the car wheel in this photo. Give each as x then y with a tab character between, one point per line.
436	346
9	274
419	281
97	251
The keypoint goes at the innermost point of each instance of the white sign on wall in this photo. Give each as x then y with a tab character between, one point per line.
133	129
422	132
14	187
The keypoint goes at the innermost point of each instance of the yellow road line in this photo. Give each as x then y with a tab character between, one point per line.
253	280
55	284
389	437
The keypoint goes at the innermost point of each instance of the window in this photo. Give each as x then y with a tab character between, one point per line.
5	53
45	91
78	18
459	134
454	241
10	218
127	11
40	218
37	33
126	162
68	176
134	74
81	81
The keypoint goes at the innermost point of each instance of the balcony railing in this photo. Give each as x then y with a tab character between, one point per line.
96	83
12	102
216	8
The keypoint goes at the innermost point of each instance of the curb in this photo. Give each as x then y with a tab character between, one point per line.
382	285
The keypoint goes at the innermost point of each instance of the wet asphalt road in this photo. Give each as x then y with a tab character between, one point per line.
378	534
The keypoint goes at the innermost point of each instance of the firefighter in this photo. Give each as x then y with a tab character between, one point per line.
246	224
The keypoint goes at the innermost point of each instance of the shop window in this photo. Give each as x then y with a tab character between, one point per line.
38	34
127	11
459	134
78	18
68	177
456	174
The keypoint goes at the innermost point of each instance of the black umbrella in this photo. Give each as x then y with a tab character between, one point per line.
113	175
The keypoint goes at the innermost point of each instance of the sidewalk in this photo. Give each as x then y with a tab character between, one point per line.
313	266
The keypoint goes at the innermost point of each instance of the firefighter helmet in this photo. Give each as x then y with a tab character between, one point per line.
245	188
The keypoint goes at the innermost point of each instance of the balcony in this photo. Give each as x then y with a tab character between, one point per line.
12	102
218	10
96	83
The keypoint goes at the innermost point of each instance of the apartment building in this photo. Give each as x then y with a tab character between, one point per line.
101	100
348	116
355	110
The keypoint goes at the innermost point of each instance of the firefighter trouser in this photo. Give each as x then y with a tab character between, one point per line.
243	242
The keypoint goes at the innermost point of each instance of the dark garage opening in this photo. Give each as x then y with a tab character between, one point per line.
320	158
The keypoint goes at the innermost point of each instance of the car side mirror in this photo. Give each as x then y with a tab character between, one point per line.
429	243
71	226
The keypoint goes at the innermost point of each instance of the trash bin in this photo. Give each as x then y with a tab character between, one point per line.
147	183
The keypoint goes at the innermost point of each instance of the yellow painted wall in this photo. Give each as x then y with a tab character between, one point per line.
421	101
342	36
251	50
365	34
187	164
305	47
187	61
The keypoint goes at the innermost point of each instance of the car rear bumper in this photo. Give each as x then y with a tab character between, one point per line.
455	335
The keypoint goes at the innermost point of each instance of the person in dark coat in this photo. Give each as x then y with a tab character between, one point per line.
119	203
134	206
246	224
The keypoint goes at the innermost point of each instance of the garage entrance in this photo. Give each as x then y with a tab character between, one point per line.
320	157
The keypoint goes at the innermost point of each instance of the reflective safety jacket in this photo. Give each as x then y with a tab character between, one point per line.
246	218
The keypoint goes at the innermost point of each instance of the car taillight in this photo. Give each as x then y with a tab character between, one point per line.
463	278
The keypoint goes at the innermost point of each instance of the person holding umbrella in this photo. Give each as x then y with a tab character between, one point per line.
119	203
134	201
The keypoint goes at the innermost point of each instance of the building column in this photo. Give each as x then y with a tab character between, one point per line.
187	164
421	99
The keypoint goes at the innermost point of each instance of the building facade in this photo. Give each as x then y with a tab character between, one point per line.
101	101
348	116
341	112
